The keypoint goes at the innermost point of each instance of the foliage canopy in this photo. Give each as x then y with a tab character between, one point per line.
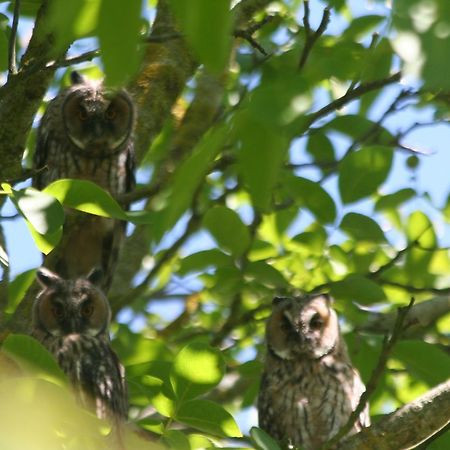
268	136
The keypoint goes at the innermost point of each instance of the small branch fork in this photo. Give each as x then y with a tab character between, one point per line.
310	37
388	345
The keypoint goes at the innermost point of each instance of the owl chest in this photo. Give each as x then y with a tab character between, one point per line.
308	402
67	162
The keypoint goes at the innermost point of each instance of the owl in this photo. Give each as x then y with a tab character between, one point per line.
87	133
71	319
309	387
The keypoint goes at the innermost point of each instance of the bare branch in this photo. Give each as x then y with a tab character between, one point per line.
310	39
350	96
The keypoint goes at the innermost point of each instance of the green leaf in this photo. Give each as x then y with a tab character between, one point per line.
200	18
357	288
393	201
201	261
360	26
260	158
176	440
265	274
208	417
320	148
197	368
423	360
47	242
72	19
262	440
117	47
190	174
18	287
227	229
421	229
85	196
313	197
30	354
362	172
42	211
362	228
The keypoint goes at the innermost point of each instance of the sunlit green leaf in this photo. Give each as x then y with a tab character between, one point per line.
45	242
208	417
42	211
18	287
196	369
31	355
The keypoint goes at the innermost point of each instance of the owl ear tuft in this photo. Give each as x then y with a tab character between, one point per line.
47	278
95	276
76	78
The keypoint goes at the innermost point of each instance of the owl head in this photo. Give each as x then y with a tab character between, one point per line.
66	307
98	121
302	327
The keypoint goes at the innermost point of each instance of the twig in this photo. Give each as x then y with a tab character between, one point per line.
88	56
414	289
12	66
386	350
244	34
350	96
310	39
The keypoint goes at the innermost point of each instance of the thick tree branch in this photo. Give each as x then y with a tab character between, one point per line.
421	315
21	96
408	426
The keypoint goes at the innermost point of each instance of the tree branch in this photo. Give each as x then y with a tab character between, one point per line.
310	39
12	66
420	315
350	96
408	426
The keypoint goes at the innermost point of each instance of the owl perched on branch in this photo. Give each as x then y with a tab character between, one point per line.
309	387
87	133
71	319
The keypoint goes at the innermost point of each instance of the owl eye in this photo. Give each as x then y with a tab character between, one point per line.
87	309
57	310
316	322
111	114
82	114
